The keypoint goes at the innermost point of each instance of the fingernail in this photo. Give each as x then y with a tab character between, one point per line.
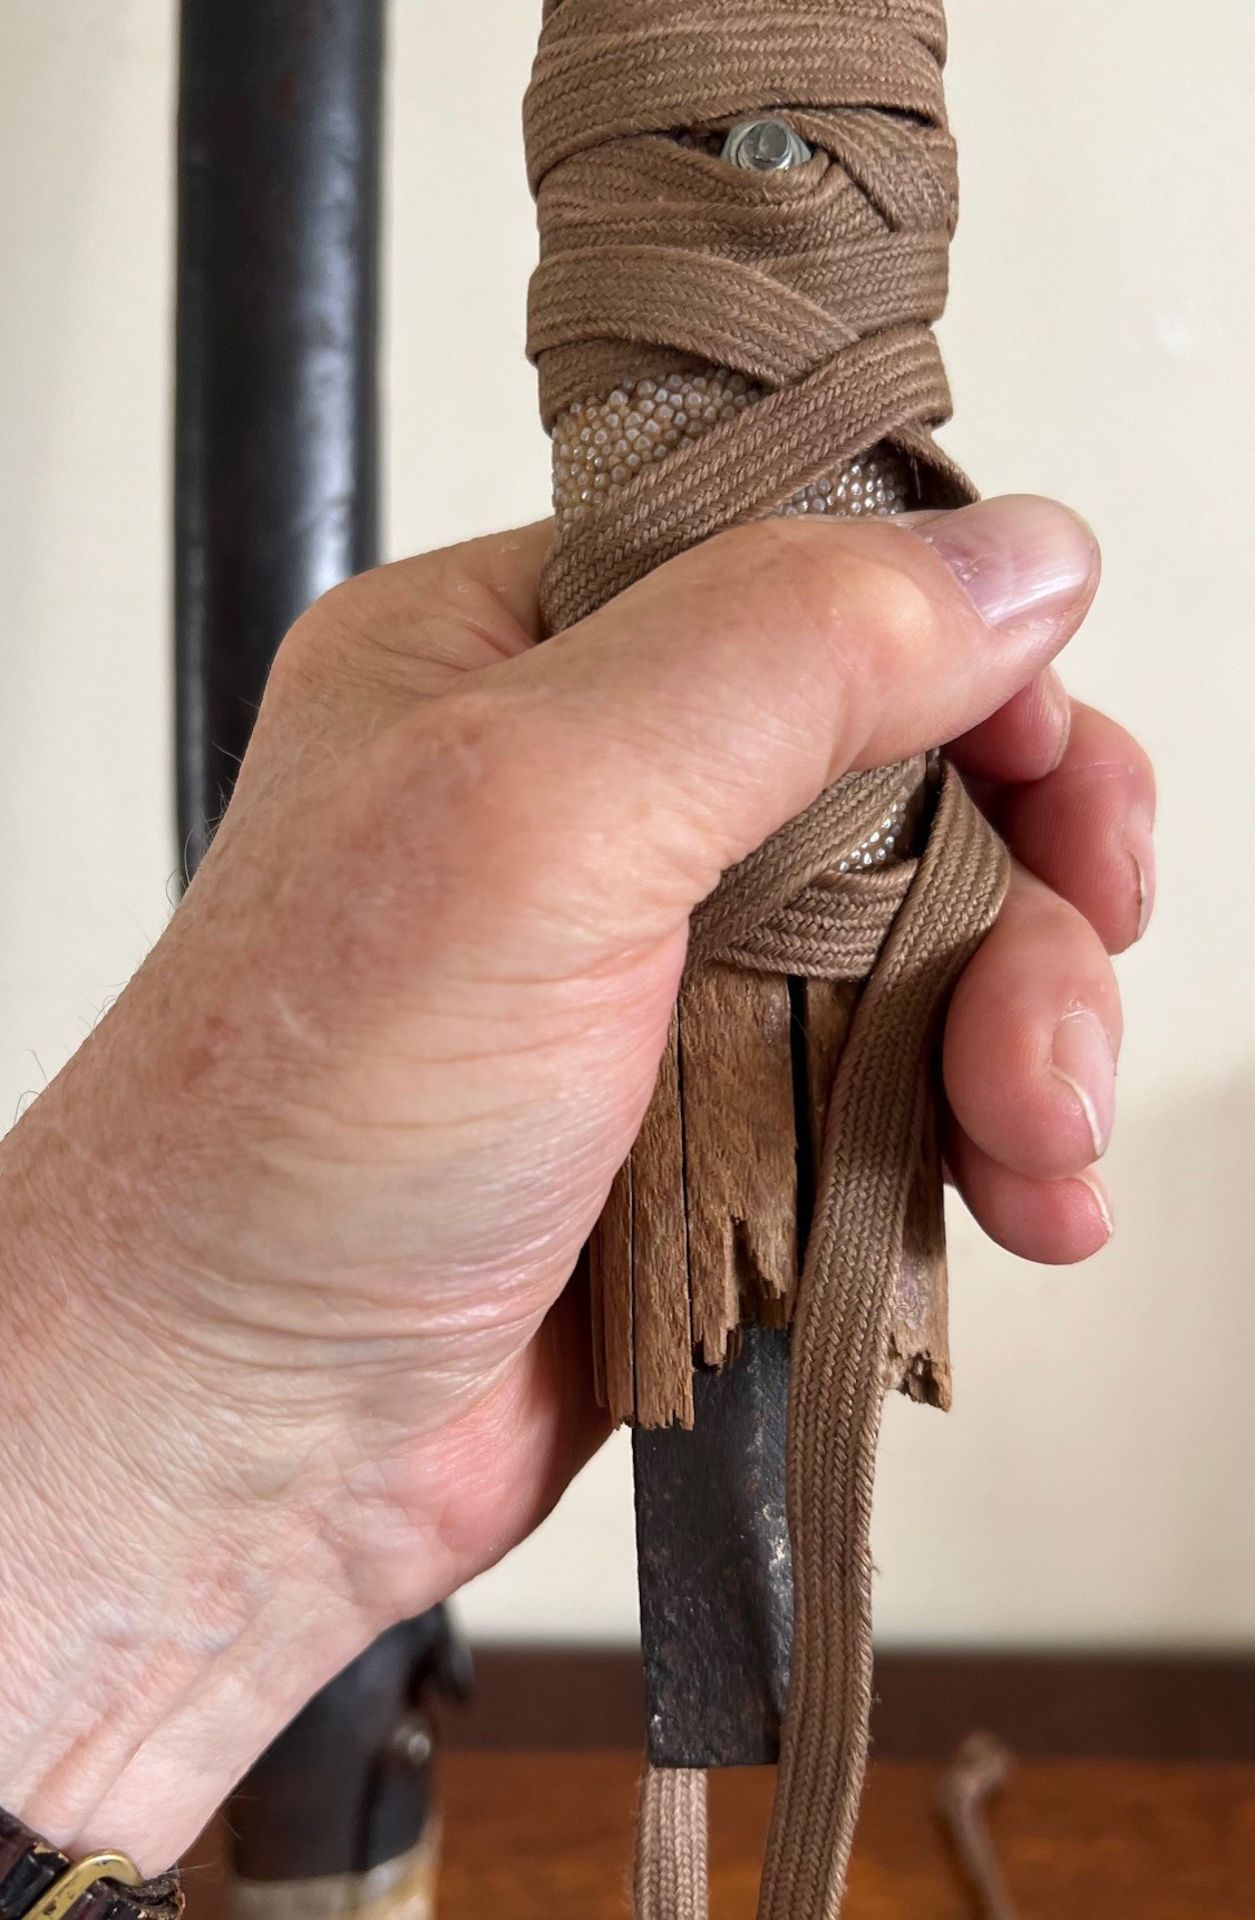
1017	558
1083	1059
1144	875
1057	713
1102	1199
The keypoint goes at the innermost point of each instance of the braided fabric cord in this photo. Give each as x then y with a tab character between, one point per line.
671	1876
819	285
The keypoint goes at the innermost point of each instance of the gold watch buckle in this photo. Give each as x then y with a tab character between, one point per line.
80	1879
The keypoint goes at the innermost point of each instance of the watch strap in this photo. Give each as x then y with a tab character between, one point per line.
39	1882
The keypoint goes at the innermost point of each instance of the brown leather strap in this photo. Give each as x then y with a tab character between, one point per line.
30	1868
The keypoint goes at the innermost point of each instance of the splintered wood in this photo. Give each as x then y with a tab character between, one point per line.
740	1163
707	1221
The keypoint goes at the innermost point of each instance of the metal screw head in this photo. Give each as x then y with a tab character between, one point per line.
765	146
412	1742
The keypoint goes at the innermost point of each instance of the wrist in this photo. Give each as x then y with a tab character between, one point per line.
168	1597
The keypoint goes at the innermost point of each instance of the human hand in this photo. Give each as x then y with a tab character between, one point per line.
293	1228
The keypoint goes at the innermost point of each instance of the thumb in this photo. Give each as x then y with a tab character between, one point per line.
619	769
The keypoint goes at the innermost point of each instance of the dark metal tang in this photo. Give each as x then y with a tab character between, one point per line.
716	1579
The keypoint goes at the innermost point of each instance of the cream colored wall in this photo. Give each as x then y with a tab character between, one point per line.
1095	1481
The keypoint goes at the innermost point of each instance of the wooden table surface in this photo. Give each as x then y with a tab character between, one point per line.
547	1836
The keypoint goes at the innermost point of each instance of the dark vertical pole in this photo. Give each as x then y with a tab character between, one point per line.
276	410
276	499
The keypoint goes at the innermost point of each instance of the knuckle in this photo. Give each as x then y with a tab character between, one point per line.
840	577
849	576
316	646
884	600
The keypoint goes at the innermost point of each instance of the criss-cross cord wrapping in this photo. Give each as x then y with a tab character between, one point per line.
820	285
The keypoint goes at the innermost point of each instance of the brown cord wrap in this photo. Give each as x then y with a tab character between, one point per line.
670	1880
820	285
